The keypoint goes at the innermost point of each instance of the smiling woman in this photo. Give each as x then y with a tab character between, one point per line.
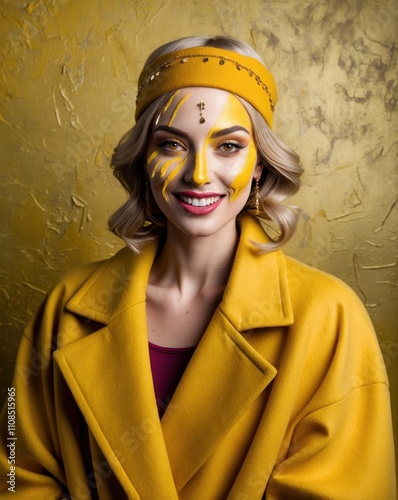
201	168
167	72
200	362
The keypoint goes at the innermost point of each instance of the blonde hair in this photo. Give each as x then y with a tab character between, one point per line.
139	220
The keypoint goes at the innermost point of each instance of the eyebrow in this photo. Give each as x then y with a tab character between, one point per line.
230	130
218	133
171	130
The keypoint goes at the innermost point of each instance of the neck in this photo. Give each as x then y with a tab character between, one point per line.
193	263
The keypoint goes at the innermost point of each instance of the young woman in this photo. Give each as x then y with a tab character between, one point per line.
200	362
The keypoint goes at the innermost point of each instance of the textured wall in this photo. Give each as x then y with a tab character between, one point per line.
67	88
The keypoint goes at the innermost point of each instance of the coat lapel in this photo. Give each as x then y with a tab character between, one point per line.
224	376
109	374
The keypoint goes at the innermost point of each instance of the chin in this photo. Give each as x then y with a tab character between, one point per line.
202	228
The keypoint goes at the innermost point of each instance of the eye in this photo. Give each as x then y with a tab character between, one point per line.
171	145
230	147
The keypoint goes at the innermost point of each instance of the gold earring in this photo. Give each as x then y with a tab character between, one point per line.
201	107
257	194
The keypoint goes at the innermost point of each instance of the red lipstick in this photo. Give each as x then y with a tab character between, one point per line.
198	203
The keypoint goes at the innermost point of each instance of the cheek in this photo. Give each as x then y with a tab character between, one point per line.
163	170
245	172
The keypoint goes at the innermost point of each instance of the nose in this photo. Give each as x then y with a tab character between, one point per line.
198	174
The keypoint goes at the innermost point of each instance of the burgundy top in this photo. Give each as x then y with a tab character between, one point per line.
168	365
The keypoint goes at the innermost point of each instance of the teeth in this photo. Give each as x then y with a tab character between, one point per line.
200	202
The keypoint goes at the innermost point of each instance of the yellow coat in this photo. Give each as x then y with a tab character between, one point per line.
286	392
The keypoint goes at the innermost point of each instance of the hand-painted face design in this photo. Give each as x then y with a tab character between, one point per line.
202	164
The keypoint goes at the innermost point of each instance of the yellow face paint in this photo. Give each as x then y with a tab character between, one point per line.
152	157
162	168
167	105
236	169
200	170
234	112
171	177
182	100
155	169
244	176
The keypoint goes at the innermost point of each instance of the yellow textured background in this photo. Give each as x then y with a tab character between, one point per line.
67	90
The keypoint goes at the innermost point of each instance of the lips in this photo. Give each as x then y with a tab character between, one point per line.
199	203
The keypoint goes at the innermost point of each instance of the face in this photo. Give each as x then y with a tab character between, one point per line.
201	159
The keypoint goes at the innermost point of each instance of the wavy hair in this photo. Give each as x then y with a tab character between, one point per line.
139	220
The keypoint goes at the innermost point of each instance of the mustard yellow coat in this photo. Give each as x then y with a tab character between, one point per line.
286	394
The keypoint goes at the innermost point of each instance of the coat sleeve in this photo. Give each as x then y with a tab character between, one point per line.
343	450
30	463
341	442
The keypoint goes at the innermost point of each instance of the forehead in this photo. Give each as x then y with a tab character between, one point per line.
219	107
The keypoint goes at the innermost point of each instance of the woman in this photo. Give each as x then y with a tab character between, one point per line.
200	362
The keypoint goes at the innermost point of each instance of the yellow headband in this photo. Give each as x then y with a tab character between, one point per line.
209	67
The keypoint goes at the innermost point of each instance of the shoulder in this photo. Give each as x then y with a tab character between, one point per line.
54	320
327	307
75	278
333	322
309	285
71	282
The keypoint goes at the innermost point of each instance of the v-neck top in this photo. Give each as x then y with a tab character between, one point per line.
168	365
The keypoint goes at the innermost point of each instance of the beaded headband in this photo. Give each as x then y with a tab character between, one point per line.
209	67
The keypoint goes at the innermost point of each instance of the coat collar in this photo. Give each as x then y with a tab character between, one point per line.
121	282
117	285
109	371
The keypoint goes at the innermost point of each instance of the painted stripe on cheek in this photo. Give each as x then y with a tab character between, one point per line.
155	168
166	165
171	177
152	157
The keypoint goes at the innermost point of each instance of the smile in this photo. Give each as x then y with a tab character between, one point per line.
200	202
